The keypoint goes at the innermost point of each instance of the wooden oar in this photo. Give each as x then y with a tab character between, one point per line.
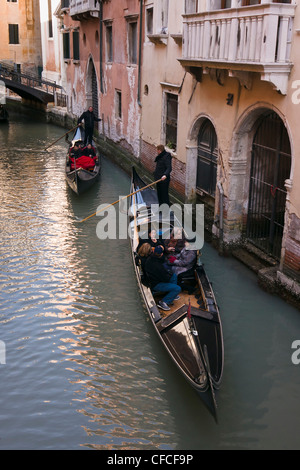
122	198
62	136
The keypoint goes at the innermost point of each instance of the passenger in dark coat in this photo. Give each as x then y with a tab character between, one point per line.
75	151
142	255
163	170
152	240
89	121
89	150
160	279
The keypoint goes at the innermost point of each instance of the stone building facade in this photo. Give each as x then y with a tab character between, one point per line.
20	43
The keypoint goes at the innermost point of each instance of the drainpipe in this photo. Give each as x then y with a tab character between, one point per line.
140	54
101	43
221	192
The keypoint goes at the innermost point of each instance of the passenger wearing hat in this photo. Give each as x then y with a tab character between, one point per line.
160	279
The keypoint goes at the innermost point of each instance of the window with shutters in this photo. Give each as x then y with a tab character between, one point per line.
207	158
13	31
66	45
76	55
171	120
118	104
149	20
132	42
109	42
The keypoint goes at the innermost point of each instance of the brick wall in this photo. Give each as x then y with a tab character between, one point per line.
292	248
148	154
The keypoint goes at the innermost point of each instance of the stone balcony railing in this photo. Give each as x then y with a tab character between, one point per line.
81	9
242	40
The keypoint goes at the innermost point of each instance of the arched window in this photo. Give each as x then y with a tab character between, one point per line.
207	158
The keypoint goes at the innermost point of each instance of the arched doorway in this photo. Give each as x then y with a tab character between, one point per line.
92	88
207	158
270	167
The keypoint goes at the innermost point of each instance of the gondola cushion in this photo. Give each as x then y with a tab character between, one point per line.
84	162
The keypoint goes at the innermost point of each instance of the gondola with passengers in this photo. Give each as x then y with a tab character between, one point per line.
189	325
83	164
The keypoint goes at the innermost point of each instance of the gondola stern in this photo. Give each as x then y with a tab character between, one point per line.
210	405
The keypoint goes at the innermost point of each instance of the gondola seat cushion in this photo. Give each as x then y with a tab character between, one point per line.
87	163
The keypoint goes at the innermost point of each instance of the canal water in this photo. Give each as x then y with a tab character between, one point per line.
81	366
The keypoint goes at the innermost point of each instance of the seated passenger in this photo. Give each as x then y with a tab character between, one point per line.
142	255
81	147
175	243
75	151
160	279
185	260
89	151
152	240
78	160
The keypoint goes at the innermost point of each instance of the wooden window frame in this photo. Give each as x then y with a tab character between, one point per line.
118	104
171	122
133	42
13	34
66	46
76	45
109	42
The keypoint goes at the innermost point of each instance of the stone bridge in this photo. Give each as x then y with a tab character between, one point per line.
29	86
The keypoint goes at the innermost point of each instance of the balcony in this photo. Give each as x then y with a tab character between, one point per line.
241	41
64	5
84	9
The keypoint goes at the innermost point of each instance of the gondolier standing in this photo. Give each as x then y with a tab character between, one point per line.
89	121
163	170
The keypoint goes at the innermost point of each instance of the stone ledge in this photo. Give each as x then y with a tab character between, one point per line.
252	257
289	283
277	283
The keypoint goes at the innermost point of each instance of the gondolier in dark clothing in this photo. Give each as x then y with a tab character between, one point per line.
163	170
89	119
160	279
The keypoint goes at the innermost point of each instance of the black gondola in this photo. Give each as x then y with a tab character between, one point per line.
80	179
191	330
